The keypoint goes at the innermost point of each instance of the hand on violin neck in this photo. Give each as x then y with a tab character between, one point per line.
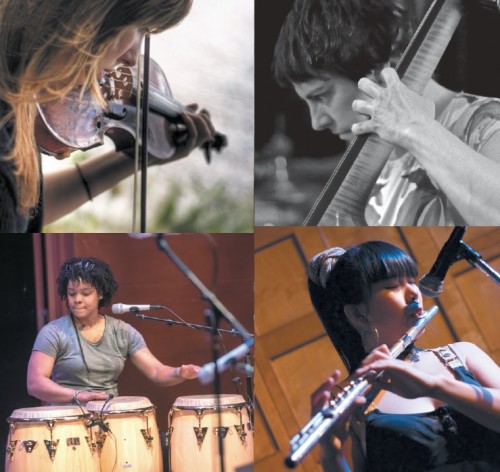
192	130
198	130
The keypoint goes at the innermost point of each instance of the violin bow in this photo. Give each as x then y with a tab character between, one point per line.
144	132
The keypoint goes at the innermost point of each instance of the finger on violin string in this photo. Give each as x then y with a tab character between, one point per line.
208	122
192	107
203	127
191	129
179	133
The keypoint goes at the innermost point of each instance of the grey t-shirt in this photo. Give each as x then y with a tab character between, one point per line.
105	359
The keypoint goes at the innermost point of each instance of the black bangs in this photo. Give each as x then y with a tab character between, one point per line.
366	264
385	261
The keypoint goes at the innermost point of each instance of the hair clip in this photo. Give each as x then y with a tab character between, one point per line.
322	264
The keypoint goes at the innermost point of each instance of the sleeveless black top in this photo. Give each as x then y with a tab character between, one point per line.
443	440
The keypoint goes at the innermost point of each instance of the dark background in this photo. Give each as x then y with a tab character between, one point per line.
17	292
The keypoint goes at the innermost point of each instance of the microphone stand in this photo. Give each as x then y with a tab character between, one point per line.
213	319
217	310
181	323
205	292
249	389
475	259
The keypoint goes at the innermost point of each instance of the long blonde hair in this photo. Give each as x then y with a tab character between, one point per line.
46	44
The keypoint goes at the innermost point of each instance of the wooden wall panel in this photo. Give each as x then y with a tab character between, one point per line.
294	355
484	307
282	264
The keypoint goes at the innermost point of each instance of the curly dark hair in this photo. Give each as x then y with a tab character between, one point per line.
90	270
350	283
347	37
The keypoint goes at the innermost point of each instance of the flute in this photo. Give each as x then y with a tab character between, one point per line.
302	443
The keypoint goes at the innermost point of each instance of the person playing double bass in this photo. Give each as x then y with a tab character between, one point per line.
445	165
50	48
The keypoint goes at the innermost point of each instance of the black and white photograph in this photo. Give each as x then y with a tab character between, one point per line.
387	114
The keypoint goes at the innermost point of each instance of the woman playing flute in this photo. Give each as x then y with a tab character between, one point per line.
436	410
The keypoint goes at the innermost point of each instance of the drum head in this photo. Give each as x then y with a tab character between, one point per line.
119	404
206	402
43	413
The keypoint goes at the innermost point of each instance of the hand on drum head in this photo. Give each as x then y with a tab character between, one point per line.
85	397
188	371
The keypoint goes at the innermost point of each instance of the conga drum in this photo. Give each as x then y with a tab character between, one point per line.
126	434
194	431
50	439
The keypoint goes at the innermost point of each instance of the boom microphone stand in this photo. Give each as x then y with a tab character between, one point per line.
213	314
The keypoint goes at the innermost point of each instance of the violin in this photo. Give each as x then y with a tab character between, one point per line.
78	121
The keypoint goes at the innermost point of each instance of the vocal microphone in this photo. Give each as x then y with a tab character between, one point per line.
151	235
143	235
120	308
431	284
207	372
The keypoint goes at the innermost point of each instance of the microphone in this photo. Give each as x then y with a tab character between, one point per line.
431	284
207	372
120	308
151	235
143	235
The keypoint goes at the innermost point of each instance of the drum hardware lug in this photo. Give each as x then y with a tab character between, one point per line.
240	429
199	431
168	436
100	440
147	436
250	427
221	431
29	445
51	448
92	445
11	448
200	435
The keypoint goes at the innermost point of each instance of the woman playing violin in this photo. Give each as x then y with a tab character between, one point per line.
49	48
428	413
445	165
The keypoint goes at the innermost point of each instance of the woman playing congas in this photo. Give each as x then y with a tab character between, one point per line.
77	358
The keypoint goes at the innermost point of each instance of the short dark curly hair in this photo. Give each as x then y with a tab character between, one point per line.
347	37
90	270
